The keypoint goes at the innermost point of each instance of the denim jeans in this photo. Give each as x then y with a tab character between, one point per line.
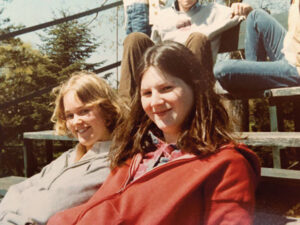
138	18
264	39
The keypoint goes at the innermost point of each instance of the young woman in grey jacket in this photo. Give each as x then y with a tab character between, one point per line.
88	109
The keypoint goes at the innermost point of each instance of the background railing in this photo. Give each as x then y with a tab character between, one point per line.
44	90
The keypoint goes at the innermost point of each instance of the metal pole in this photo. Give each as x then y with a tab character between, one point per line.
117	45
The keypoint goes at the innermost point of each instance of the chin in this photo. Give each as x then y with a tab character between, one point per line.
84	142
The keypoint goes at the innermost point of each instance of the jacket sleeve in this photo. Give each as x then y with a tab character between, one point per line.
155	35
12	200
221	21
230	194
62	194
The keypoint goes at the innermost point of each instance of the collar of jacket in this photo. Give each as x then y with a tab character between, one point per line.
195	7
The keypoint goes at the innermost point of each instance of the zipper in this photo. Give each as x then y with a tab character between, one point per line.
127	184
132	165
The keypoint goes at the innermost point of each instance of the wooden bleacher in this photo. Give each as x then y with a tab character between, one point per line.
232	39
6	182
276	138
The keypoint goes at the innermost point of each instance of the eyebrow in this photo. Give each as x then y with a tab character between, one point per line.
81	107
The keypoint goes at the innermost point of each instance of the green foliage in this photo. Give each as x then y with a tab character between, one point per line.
68	45
11	161
23	71
258	112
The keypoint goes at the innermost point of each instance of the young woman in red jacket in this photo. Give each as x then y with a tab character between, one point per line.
174	161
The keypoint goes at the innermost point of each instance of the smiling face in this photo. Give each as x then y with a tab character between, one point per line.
167	101
185	5
85	123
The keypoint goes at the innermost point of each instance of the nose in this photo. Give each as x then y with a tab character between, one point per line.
156	99
77	119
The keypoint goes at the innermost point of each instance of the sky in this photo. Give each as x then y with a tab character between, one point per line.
33	12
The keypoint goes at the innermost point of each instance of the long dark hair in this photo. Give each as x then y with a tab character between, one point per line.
205	129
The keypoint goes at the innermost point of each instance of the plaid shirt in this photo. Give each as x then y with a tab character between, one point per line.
163	154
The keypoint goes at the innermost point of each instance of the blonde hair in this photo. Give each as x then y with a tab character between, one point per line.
91	90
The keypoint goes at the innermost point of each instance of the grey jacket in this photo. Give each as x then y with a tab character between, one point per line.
60	185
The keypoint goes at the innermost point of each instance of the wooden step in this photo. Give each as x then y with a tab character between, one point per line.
46	135
6	182
282	92
278	139
280	173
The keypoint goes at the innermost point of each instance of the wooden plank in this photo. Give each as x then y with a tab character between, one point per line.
276	157
6	182
46	135
29	160
280	139
282	92
280	173
273	118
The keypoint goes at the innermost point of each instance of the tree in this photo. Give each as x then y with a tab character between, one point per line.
24	70
68	45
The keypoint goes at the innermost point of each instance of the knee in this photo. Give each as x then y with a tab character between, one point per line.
257	15
134	38
220	70
222	75
198	37
199	44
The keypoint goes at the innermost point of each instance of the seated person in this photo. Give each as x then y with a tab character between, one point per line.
265	39
187	22
174	160
87	108
141	14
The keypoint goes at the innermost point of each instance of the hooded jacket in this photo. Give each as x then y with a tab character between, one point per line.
60	185
215	189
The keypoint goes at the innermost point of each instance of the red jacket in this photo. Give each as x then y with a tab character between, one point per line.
216	189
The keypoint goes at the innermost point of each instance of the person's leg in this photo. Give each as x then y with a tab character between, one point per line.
200	45
264	37
140	18
128	19
240	76
135	44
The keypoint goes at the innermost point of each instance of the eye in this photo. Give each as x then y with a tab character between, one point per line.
69	116
167	88
84	111
146	93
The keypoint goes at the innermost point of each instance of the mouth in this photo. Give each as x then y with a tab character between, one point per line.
162	112
82	130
